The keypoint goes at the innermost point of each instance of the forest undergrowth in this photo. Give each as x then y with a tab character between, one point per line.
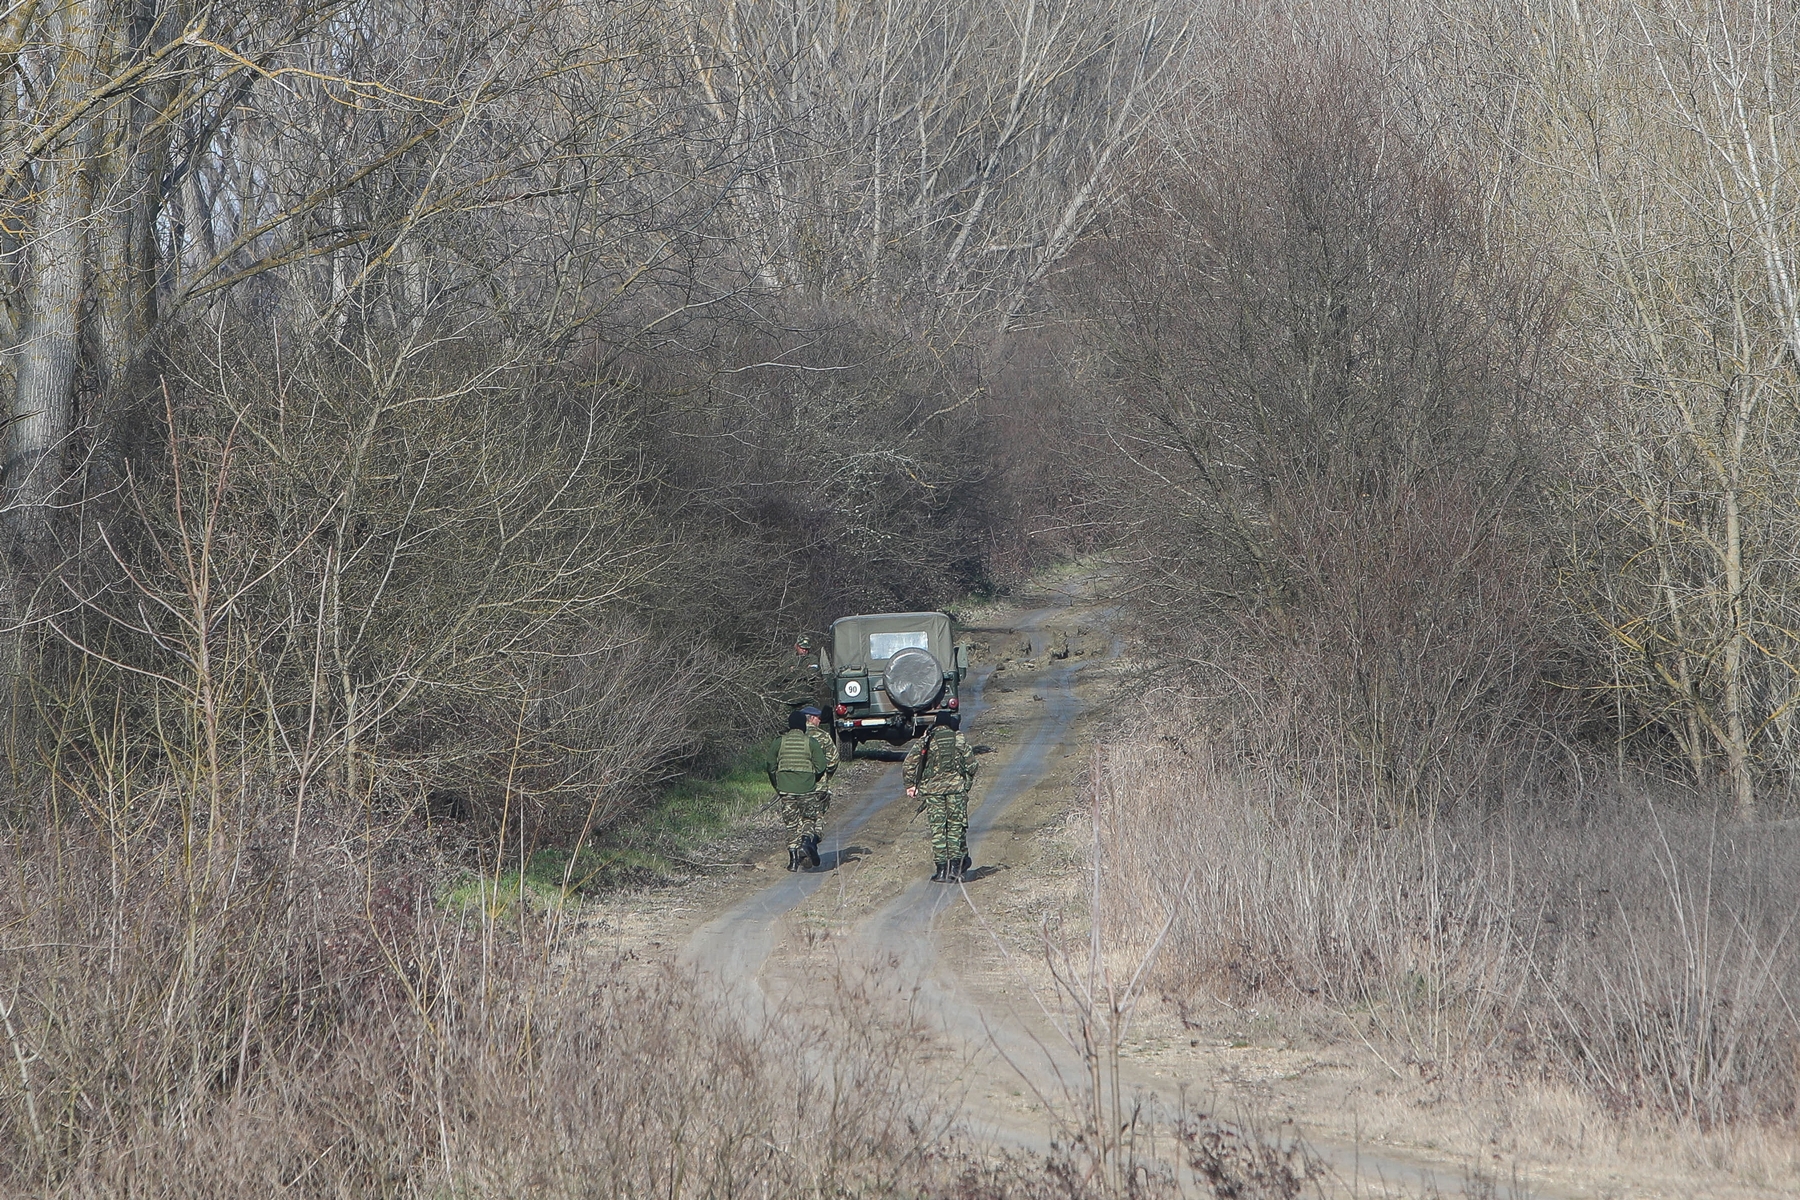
429	428
205	1012
1596	937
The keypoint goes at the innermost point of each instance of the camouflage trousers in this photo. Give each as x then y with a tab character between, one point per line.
948	813
801	813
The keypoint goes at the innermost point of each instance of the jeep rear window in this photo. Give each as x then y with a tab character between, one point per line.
886	645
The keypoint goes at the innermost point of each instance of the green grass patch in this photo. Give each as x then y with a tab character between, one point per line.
693	810
550	880
689	812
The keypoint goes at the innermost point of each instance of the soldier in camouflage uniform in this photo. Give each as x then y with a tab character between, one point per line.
798	767
800	680
816	730
940	767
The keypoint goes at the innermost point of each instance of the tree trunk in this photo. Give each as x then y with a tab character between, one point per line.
44	402
133	156
43	409
1738	758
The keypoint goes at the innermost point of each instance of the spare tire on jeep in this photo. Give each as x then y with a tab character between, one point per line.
915	679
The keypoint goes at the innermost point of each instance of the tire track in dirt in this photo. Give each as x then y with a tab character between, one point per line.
736	949
909	930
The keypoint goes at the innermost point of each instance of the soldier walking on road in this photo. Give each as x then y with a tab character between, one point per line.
940	768
798	768
818	733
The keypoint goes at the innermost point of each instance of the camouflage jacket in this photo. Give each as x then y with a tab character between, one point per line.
821	735
942	761
798	681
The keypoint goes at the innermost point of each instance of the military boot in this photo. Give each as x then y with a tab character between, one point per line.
793	857
943	869
809	849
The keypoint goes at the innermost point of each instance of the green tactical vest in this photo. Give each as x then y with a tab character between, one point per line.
942	763
795	754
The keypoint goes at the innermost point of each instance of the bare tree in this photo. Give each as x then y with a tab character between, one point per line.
930	152
1316	438
368	588
1655	144
159	154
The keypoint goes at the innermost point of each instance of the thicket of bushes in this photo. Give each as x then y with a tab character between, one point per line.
1448	495
243	1016
1609	939
1424	371
425	412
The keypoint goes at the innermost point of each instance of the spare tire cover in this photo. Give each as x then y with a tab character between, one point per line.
914	678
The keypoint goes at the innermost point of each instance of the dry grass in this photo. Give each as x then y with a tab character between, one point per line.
1606	940
237	1021
193	1017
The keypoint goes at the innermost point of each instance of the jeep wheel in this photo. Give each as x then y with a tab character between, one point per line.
846	747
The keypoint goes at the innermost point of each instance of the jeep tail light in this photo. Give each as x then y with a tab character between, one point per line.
842	710
950	703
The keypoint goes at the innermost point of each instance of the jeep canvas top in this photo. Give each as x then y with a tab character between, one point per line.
892	673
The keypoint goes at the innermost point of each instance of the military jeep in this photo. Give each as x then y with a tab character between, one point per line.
891	674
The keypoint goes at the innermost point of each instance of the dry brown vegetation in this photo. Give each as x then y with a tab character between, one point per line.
428	423
1447	443
241	1021
1629	946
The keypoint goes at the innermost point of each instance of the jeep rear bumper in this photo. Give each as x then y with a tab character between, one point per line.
926	717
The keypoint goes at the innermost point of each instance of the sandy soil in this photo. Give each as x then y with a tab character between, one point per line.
973	960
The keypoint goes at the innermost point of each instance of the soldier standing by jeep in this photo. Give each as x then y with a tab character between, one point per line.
798	767
941	766
800	680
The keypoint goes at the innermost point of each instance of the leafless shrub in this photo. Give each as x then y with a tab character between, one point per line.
376	577
232	1018
1415	658
1320	381
1243	1166
153	973
1621	943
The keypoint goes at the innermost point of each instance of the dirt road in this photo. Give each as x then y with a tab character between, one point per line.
769	940
870	901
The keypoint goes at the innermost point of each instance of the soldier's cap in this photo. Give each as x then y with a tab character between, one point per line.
811	710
